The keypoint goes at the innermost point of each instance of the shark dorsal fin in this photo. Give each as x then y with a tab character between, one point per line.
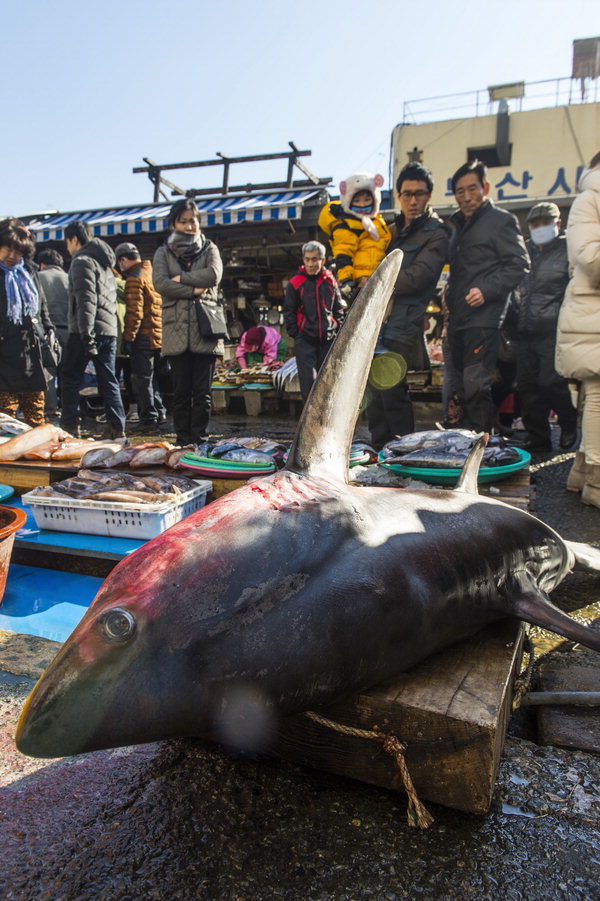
324	434
467	480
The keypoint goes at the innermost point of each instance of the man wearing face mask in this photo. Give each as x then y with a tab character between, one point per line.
541	388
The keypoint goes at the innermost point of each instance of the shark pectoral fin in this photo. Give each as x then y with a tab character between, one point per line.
587	557
467	481
535	607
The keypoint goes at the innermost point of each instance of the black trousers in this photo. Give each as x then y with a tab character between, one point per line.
390	414
309	359
192	376
144	383
474	352
74	363
541	388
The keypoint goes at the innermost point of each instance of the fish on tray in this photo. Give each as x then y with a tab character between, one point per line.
297	589
247	455
461	439
128	497
448	458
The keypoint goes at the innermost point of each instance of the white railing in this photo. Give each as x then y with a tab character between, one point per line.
537	94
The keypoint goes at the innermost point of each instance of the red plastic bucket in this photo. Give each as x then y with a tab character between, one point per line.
11	520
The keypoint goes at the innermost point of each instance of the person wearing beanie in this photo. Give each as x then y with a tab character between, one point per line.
357	231
142	334
260	344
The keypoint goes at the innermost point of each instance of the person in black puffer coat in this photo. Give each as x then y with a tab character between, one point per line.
541	388
22	304
92	329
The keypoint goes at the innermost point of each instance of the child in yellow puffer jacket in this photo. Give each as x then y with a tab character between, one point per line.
356	229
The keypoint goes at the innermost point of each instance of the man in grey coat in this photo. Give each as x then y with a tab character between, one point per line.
92	329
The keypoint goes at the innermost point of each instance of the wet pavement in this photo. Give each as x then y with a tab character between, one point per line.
184	820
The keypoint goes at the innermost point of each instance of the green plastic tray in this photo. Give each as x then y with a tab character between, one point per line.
450	476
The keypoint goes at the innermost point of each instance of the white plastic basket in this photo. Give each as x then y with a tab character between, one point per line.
114	519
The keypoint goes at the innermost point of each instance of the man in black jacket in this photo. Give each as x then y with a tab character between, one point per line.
92	328
488	259
312	312
540	387
423	238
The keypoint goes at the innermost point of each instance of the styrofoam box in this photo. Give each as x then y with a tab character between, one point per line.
114	519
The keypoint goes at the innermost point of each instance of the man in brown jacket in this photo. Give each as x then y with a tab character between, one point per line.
142	335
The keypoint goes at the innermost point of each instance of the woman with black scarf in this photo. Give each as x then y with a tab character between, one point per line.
23	379
188	267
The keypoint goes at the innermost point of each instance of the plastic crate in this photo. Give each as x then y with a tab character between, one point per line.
114	519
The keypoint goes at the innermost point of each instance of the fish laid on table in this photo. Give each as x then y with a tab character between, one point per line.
72	449
102	451
153	455
21	444
297	589
42	451
12	426
175	455
121	457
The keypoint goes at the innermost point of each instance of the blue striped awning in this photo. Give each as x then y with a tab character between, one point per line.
133	220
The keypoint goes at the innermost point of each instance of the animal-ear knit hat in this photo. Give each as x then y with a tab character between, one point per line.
362	181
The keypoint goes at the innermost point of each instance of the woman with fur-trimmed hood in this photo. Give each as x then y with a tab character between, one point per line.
356	229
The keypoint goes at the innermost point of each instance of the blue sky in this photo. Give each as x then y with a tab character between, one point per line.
91	88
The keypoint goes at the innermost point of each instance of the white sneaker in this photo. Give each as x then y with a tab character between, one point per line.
101	418
132	417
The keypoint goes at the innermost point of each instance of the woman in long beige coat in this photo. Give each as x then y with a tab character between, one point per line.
578	337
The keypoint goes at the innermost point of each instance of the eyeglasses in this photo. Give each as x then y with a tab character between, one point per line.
418	195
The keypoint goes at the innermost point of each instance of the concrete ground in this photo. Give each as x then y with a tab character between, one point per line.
184	820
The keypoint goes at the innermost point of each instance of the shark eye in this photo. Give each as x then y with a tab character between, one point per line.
117	624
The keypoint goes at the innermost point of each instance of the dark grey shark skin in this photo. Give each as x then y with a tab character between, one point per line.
295	589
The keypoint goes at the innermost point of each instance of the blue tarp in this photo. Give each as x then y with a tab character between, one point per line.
133	220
